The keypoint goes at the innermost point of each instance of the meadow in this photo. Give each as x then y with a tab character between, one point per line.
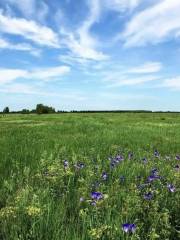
106	176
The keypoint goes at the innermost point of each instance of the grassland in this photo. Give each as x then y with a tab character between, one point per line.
43	197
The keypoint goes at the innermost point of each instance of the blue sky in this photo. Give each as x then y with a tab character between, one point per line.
90	54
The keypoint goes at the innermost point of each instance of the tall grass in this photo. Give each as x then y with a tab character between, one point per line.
43	197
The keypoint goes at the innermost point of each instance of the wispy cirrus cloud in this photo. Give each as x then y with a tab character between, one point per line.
9	75
30	9
122	5
153	25
172	83
131	76
43	74
29	29
150	67
80	42
119	81
25	47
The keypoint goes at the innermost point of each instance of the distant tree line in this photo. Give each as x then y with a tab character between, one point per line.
40	109
43	109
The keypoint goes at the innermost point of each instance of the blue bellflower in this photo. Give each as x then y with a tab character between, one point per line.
96	196
148	196
129	227
171	188
104	176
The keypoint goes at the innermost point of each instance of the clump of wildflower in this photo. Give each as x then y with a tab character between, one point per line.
154	175
116	160
148	196
130	155
81	199
156	153
177	157
33	211
8	212
104	176
145	160
79	165
66	164
93	203
177	167
96	196
119	158
154	171
171	188
129	227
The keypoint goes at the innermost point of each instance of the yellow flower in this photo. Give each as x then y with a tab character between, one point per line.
33	211
7	212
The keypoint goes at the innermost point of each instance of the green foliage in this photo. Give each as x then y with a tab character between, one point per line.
25	111
42	109
6	110
40	198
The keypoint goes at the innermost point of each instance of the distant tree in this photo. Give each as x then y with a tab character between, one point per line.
42	109
6	110
25	111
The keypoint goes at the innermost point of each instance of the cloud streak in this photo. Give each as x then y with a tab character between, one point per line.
25	47
153	25
29	30
44	74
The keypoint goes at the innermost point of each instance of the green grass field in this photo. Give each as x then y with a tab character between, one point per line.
110	154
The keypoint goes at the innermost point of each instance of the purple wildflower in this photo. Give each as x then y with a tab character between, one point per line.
145	160
148	196
66	164
156	153
152	178
171	188
113	164
119	158
130	155
93	203
177	157
177	167
80	165
154	175
104	176
142	186
129	227
81	199
154	171
96	196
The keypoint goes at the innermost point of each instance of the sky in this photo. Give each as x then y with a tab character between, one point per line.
90	54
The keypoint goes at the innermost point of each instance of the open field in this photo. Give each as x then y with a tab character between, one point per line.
112	175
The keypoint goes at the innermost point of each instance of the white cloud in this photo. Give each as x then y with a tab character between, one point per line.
30	30
4	44
122	5
47	74
9	75
80	42
27	7
173	83
30	8
151	67
154	24
44	74
125	81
